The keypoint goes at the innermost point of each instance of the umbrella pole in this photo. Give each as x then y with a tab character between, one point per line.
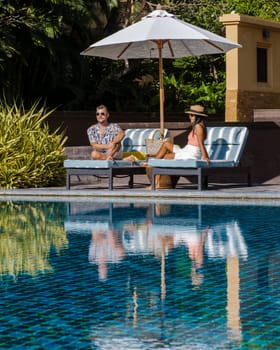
161	90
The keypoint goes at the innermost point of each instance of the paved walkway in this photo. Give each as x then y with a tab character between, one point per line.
90	187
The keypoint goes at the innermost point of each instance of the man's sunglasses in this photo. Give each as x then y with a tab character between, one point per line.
100	113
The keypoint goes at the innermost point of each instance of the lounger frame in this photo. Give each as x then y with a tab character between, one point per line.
108	169
202	174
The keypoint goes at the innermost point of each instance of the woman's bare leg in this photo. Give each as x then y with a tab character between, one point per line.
165	152
166	148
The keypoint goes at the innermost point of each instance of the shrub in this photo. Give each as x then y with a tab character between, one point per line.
30	155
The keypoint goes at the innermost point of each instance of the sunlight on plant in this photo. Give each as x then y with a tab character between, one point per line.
30	155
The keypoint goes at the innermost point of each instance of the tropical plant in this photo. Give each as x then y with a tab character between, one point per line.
30	154
40	49
269	9
41	41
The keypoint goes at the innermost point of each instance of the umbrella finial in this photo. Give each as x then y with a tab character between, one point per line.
158	7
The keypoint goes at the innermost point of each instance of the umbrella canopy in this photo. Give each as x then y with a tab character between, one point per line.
160	35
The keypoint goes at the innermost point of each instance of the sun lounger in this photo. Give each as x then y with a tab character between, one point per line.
107	168
225	146
134	141
133	144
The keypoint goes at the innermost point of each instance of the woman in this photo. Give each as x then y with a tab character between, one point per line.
195	148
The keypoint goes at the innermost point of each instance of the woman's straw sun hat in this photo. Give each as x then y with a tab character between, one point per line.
197	110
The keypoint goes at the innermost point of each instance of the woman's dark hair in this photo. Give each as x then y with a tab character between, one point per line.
200	120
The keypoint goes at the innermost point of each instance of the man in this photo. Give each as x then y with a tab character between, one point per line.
105	138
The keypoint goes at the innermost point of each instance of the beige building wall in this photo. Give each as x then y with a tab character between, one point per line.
243	92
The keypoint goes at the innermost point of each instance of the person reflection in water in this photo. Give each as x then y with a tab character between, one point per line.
194	239
105	247
196	254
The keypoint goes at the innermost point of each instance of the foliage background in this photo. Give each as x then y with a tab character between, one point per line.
41	41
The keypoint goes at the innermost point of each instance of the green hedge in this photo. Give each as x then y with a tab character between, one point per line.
30	155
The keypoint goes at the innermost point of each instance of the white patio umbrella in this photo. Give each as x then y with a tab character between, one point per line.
160	35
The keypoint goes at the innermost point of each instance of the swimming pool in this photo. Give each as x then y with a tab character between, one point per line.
101	275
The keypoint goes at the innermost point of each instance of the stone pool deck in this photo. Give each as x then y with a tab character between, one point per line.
88	188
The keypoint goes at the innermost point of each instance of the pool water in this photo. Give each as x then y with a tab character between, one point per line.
101	275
